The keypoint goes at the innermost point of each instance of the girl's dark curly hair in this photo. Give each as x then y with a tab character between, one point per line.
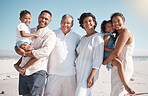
103	25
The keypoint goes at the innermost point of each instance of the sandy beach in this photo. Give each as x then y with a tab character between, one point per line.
9	79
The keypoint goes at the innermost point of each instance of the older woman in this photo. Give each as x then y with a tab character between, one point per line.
90	55
124	51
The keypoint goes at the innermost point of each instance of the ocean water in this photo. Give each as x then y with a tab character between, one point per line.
140	58
135	58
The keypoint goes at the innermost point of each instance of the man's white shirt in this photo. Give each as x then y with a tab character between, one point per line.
43	46
62	58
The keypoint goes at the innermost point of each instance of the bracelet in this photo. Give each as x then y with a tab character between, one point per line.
24	55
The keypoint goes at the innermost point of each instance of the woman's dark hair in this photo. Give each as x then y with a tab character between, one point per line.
46	11
118	14
103	25
23	12
83	16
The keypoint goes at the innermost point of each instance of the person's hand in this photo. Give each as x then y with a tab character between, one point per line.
29	48
35	36
22	71
104	63
90	82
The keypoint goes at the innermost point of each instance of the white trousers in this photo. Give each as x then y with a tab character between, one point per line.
60	86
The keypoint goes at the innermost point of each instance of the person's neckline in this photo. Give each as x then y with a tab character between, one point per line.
90	35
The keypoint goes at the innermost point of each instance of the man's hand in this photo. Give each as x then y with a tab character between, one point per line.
22	71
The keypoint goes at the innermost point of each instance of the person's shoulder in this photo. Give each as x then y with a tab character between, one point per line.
50	32
98	37
75	34
126	31
106	36
57	30
21	25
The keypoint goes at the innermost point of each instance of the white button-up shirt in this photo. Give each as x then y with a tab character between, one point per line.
43	46
62	58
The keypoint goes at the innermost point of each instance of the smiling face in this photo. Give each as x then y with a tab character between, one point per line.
109	27
118	22
44	19
66	24
88	23
26	19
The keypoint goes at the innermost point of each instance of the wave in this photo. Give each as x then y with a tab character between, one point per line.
140	58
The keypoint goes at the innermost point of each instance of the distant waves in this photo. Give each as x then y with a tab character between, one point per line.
140	58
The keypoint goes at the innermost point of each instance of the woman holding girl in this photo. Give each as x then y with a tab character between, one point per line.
123	51
109	42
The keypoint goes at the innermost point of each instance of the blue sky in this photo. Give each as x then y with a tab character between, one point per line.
135	12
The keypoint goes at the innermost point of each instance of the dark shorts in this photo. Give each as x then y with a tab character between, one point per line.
32	84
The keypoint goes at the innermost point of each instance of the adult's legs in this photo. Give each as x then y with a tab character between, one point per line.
68	85
53	86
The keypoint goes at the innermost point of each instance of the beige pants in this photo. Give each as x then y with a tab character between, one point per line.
60	86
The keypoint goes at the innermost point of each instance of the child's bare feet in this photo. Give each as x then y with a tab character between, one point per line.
129	90
132	79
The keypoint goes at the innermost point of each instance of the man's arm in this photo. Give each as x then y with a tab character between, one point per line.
47	47
44	51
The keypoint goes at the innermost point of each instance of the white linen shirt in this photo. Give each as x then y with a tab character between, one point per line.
90	55
43	45
22	27
62	58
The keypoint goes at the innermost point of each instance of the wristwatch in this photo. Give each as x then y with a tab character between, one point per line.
24	55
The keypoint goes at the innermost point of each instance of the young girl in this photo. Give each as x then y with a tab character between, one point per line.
109	43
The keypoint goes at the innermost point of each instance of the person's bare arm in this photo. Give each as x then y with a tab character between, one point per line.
106	40
23	34
122	40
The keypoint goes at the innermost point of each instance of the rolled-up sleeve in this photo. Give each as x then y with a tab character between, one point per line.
98	53
49	41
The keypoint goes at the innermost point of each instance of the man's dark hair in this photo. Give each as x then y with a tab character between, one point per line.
46	11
